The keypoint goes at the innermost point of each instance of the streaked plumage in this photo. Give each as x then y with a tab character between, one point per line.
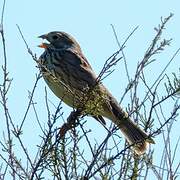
71	78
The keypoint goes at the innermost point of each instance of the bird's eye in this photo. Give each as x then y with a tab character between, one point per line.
55	37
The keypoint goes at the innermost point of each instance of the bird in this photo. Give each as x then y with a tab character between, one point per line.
70	76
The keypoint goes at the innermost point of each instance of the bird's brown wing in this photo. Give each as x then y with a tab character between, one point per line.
73	67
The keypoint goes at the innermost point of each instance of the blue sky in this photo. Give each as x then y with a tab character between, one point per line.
90	23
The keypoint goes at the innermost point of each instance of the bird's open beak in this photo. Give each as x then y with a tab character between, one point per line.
43	45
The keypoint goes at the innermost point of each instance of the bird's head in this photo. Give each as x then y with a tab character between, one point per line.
59	40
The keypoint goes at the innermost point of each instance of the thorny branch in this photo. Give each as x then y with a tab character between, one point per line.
4	88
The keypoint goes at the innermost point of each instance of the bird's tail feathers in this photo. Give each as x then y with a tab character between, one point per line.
136	137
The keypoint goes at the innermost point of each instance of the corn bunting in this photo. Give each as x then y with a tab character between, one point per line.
70	76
